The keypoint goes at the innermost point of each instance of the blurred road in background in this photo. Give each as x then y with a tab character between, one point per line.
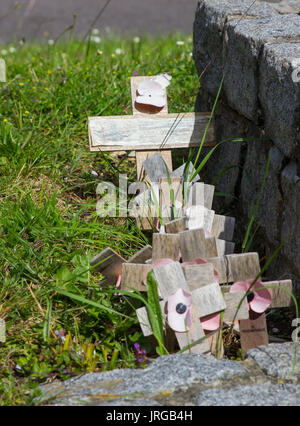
46	19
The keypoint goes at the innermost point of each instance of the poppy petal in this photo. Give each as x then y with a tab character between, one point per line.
150	87
163	80
150	99
180	296
262	298
179	301
239	286
180	323
211	322
118	283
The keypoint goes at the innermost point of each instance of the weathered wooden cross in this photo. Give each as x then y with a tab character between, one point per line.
149	130
206	299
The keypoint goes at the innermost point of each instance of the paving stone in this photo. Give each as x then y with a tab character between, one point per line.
266	394
276	360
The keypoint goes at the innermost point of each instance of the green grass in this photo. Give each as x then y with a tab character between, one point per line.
48	225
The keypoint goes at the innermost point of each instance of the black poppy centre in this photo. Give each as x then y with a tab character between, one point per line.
180	308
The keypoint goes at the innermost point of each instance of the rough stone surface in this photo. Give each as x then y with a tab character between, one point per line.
210	19
262	395
269	213
243	44
279	95
286	6
162	377
276	360
188	379
290	231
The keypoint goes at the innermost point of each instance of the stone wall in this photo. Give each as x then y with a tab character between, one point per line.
256	50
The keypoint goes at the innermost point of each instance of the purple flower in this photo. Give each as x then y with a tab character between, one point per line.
135	73
141	354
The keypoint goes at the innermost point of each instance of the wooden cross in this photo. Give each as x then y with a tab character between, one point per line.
195	196
149	130
2	71
242	267
109	263
206	299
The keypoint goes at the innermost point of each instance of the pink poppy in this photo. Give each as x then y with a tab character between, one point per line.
258	300
211	322
118	283
179	310
151	93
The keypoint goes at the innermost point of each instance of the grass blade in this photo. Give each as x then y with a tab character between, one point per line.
46	328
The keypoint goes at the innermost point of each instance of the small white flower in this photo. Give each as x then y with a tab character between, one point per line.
93	173
99	52
96	39
180	43
191	54
3	52
118	51
12	49
136	39
95	31
50	42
